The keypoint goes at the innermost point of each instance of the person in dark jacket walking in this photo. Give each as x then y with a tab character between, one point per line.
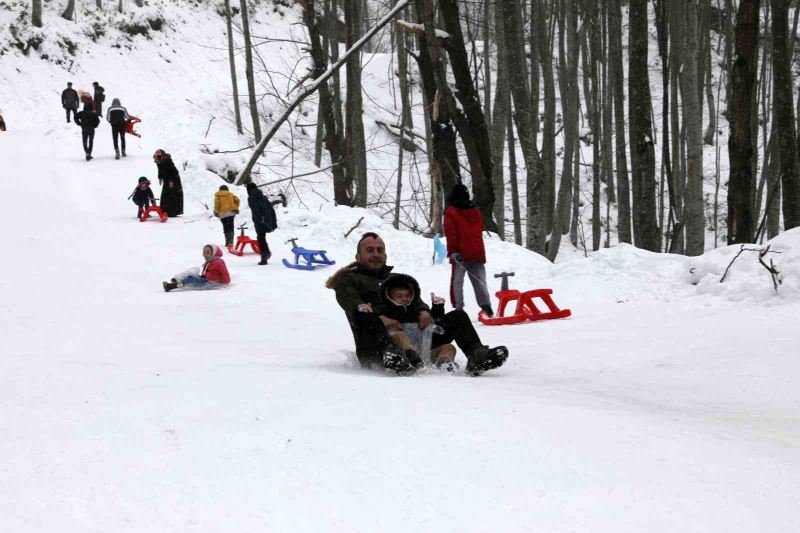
99	98
463	227
264	218
69	100
143	196
88	121
117	116
86	99
357	288
170	180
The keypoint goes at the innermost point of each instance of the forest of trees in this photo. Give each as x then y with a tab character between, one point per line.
667	124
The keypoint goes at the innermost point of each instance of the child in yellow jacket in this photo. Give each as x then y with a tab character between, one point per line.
226	207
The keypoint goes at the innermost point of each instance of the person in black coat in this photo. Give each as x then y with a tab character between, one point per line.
170	180
88	121
99	98
264	218
70	100
143	196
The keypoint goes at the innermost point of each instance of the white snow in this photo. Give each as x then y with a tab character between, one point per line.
667	402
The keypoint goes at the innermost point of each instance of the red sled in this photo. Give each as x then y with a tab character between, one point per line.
153	209
526	310
131	122
241	242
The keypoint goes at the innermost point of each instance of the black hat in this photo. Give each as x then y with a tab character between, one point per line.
95	83
223	187
143	180
459	197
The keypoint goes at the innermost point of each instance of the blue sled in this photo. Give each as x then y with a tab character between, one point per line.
310	259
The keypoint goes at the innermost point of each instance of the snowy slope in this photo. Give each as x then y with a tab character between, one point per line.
668	402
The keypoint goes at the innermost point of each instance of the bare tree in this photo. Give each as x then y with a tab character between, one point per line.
641	131
232	62
36	13
617	81
251	82
693	116
69	12
354	124
741	187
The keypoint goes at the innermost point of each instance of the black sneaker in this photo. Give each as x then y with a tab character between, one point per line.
484	358
262	262
397	363
414	359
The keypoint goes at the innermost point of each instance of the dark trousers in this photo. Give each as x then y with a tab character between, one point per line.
261	237
118	134
88	141
227	224
371	337
72	110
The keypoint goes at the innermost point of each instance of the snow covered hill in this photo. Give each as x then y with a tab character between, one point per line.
667	402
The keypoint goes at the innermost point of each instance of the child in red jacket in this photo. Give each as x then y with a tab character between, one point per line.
463	227
211	275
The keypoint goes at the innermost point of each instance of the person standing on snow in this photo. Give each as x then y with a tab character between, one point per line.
170	180
463	227
69	100
264	218
99	98
117	116
143	196
88	121
213	274
226	207
357	288
86	99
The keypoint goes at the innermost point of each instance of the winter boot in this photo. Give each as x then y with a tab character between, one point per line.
123	153
170	285
482	358
117	156
414	359
488	310
88	157
443	357
228	239
397	362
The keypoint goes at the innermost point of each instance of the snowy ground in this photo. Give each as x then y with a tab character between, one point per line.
660	406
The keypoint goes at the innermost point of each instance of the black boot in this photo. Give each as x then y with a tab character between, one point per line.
397	362
482	358
170	285
413	357
265	257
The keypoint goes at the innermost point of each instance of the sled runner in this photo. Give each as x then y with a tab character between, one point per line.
310	258
242	241
153	209
526	309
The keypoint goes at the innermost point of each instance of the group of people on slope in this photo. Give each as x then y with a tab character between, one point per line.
379	304
171	189
226	207
89	117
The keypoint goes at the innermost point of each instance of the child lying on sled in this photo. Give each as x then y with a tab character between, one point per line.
212	275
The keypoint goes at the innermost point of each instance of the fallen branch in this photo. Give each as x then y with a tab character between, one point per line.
209	125
354	227
771	268
761	253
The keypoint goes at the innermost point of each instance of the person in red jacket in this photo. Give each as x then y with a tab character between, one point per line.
463	228
213	274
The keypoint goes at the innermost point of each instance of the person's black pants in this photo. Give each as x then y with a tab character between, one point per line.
371	337
118	134
88	141
261	237
227	224
72	110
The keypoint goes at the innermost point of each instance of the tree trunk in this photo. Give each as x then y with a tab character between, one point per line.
498	126
544	46
568	84
784	114
617	80
741	185
641	130
512	166
593	102
471	124
232	62
36	13
251	81
690	91
524	117
356	151
69	12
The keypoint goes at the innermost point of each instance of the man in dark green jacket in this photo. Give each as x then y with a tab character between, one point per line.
357	288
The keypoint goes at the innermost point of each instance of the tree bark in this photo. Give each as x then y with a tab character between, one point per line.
36	13
251	81
691	91
784	114
356	151
498	126
69	12
741	186
232	62
617	80
544	47
641	130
